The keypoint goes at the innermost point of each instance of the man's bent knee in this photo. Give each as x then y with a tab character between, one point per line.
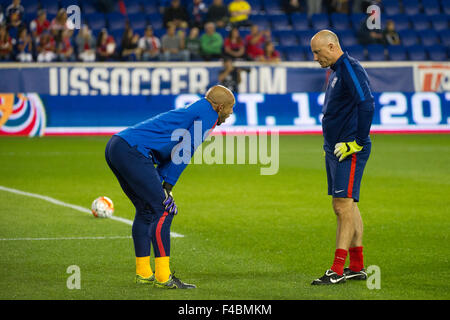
343	206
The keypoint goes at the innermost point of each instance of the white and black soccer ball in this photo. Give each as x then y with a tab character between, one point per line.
102	207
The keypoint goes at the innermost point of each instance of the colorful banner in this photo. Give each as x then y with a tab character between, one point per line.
292	113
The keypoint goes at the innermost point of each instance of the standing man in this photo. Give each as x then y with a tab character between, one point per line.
143	159
347	116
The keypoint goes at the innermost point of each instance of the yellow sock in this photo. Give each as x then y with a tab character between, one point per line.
143	267
162	270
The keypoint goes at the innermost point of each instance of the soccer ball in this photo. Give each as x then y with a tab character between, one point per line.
102	207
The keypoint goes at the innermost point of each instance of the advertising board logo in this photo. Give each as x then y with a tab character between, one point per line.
22	114
433	77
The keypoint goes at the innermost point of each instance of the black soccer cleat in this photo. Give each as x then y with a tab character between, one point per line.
330	277
174	283
355	275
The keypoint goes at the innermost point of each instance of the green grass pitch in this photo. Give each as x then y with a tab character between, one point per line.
246	236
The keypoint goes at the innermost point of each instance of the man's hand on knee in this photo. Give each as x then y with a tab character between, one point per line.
169	202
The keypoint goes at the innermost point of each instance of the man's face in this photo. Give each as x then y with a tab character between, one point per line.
224	113
322	53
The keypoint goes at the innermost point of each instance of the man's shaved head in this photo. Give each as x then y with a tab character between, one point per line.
222	100
326	48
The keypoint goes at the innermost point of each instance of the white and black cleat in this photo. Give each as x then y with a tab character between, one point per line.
355	275
330	277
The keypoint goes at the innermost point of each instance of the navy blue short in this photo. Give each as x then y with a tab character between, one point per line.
141	183
344	178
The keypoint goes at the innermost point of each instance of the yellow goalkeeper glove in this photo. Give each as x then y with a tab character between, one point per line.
343	149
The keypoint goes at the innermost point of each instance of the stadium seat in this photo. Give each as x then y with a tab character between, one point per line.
304	37
150	7
391	7
444	35
50	6
295	54
138	20
375	52
401	21
439	22
300	21
280	22
357	52
411	7
356	19
272	7
133	7
428	37
347	38
416	53
340	21
255	4
96	21
408	37
437	53
446	6
87	7
116	21
155	20
30	7
431	7
285	38
420	22
67	3
397	53
320	21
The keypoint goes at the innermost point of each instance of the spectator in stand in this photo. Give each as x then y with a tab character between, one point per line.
239	11
292	6
367	36
234	46
218	13
314	6
6	45
150	45
173	45
197	11
130	50
59	23
15	24
86	44
64	47
230	76
176	14
46	48
24	47
255	43
39	25
270	54
211	43
106	46
193	44
390	35
15	6
338	6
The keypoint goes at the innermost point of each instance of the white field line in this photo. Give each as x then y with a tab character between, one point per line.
72	206
66	238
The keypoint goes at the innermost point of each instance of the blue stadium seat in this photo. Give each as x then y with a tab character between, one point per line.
444	35
87	7
320	21
391	7
50	6
356	19
401	21
116	21
347	38
304	37
67	3
295	54
431	7
133	7
357	52
150	7
280	22
397	53
437	53
261	21
420	22
272	7
287	39
300	21
446	6
428	37
408	37
340	21
416	53
30	6
439	21
138	20
375	52
255	4
96	21
155	20
411	7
